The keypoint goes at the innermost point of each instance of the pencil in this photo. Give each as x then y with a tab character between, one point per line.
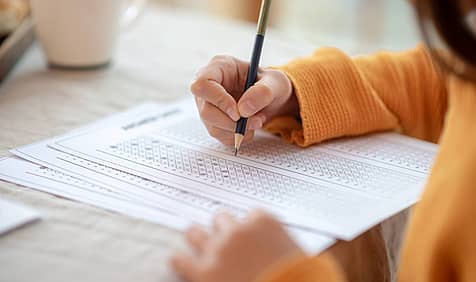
240	129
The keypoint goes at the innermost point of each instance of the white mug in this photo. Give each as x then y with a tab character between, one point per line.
81	34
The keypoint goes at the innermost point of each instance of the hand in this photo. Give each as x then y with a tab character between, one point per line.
233	251
221	83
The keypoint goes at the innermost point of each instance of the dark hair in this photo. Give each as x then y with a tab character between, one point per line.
446	20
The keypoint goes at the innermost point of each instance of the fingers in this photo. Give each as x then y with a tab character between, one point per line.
248	136
217	81
227	137
273	85
197	238
252	245
223	222
227	71
221	81
255	99
214	93
212	116
260	216
256	122
185	266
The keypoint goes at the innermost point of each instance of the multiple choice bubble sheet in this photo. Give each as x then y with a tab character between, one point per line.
340	188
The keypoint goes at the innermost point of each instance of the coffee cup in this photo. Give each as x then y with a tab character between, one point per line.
81	34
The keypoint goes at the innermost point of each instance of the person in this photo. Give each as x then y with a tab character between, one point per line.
427	93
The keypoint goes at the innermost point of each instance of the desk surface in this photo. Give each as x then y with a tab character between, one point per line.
156	60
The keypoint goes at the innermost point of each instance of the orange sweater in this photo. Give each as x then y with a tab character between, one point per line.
340	96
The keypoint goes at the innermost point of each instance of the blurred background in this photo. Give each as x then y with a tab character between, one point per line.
361	26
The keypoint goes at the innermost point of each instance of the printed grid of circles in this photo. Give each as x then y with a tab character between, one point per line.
379	181
193	200
251	181
382	150
65	178
386	151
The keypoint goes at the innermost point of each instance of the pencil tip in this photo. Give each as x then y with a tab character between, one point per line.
238	140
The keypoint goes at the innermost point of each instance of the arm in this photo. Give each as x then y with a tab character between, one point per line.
440	240
258	248
339	96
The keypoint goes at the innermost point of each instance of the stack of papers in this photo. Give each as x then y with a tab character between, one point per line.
158	163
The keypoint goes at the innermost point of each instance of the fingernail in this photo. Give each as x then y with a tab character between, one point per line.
263	119
247	109
256	124
232	114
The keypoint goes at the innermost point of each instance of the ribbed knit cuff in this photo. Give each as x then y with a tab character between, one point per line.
334	100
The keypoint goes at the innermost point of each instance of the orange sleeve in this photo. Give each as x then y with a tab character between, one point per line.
305	269
440	242
339	96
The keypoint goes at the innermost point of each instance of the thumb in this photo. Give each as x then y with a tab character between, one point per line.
273	85
256	97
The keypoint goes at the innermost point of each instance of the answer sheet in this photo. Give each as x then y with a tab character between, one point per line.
340	188
54	182
84	190
135	189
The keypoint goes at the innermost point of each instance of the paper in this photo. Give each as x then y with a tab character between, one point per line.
135	189
13	215
83	190
340	188
44	179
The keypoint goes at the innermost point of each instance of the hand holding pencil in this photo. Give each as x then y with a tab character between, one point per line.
218	90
